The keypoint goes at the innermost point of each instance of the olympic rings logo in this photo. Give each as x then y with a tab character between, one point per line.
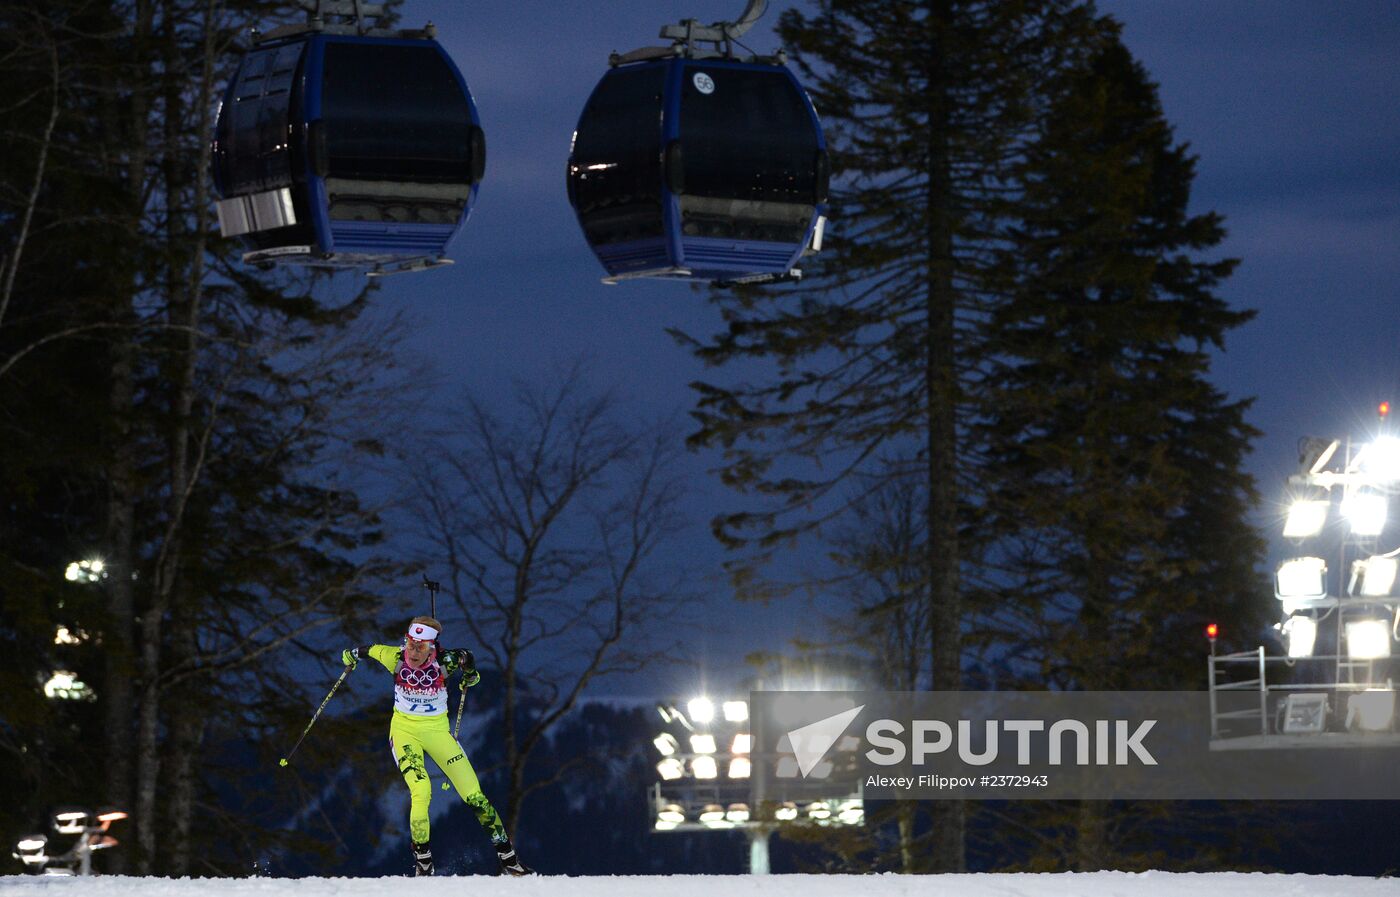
419	678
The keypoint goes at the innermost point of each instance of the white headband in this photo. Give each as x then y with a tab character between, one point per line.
422	632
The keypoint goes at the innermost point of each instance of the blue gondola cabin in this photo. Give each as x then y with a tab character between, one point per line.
343	151
704	169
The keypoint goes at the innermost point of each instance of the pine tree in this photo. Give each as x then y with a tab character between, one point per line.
1112	453
930	108
1114	479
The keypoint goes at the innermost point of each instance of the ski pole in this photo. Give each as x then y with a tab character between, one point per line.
461	704
432	586
329	695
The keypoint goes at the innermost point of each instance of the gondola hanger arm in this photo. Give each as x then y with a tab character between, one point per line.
345	17
689	32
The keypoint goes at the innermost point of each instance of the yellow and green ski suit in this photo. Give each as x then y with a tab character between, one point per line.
418	727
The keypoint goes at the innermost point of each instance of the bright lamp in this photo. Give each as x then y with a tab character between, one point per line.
704	767
1374	576
702	744
739	768
1368	639
666	743
702	710
736	711
70	821
1301	578
670	769
1306	517
1300	633
1381	459
1365	510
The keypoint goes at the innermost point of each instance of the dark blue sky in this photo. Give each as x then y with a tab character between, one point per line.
1290	105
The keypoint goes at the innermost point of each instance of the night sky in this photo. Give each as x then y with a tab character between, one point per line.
1290	105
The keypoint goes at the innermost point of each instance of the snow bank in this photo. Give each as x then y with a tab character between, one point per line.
1097	884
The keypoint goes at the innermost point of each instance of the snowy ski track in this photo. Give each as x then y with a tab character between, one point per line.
1097	884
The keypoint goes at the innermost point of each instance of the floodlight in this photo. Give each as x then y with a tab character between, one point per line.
1372	710
736	711
663	826
712	813
1365	510
1381	459
665	713
670	768
1368	639
743	743
88	570
787	768
786	813
704	767
108	814
1304	714
702	710
1306	517
66	686
1301	578
671	813
737	813
1374	576
851	812
70	821
702	744
1300	634
30	850
739	768
821	770
818	810
666	743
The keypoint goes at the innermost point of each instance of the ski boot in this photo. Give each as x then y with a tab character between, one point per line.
422	859
510	863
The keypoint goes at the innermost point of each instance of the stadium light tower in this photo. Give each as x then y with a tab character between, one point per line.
1338	599
90	829
705	764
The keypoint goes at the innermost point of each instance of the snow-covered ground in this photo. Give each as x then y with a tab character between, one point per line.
1097	884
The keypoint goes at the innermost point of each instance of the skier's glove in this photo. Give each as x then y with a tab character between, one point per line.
470	678
464	659
350	657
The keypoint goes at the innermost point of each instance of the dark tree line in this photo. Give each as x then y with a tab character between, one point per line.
162	410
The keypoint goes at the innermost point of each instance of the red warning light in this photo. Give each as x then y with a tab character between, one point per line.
1384	409
1212	631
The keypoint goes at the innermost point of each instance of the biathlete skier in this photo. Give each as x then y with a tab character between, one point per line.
419	726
